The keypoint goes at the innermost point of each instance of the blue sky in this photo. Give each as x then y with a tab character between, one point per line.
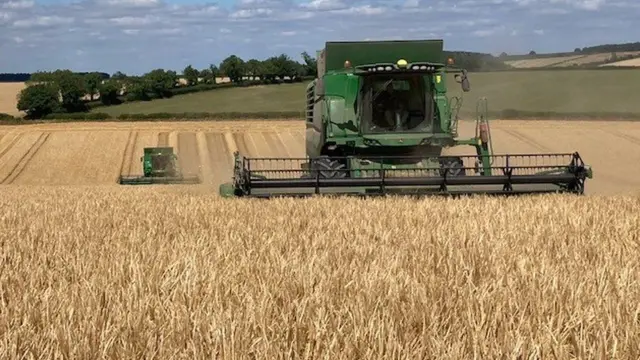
135	36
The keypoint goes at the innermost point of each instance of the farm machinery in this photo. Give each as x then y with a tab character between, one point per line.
159	166
379	121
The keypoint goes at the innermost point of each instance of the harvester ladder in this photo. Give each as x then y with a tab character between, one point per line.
482	118
455	103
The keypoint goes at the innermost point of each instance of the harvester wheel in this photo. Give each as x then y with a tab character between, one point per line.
454	165
328	168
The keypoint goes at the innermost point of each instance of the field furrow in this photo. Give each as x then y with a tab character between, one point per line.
128	155
294	148
221	158
277	147
627	137
255	144
505	143
204	159
172	140
265	146
25	159
144	139
524	139
163	139
188	158
8	142
76	158
609	155
241	144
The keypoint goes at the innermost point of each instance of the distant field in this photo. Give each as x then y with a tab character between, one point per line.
8	101
575	91
628	62
542	62
565	61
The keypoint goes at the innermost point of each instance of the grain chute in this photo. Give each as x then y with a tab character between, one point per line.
378	119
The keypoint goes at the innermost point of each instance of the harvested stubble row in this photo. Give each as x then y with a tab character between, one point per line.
154	273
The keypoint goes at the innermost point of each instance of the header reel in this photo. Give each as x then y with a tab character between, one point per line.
440	175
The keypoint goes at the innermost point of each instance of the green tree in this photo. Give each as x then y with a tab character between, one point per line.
119	76
254	68
310	65
42	77
191	75
92	81
160	82
72	88
109	92
39	100
214	72
138	89
207	76
233	67
281	66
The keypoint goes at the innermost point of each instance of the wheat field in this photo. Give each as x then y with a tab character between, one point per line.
8	97
93	270
104	273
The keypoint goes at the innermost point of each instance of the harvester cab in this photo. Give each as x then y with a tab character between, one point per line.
379	119
159	166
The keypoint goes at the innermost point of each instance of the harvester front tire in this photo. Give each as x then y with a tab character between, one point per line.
328	168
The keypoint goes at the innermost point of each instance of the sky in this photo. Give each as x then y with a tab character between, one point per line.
135	36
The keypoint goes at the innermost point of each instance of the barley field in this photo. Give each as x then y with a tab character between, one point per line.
112	273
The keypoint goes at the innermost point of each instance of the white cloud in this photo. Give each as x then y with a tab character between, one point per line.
251	13
42	21
20	4
361	10
112	32
325	5
135	21
132	3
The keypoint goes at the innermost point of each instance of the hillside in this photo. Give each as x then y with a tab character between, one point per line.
587	57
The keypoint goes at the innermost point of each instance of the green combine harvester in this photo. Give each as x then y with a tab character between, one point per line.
159	166
379	121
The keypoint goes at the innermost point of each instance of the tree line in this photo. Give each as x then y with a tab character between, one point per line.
64	91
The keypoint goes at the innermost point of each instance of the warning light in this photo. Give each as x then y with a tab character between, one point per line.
402	63
347	64
450	61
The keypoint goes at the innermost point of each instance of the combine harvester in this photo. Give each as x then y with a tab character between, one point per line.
378	119
159	166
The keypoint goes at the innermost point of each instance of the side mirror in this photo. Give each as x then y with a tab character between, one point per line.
466	87
463	80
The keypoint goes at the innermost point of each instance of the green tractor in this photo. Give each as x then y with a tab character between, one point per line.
159	167
379	121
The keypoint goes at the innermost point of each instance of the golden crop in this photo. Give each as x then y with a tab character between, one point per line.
113	273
